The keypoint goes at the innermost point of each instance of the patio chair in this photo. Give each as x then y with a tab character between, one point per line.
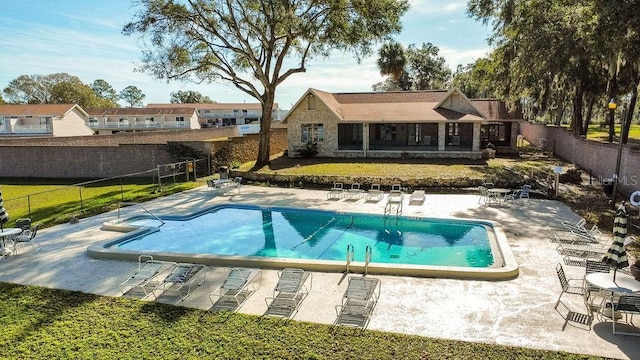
26	237
374	194
289	293
236	183
358	302
239	284
148	276
354	192
568	286
23	223
627	304
417	197
483	194
337	191
593	292
182	278
518	197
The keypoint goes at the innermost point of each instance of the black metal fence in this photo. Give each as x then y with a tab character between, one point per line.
61	203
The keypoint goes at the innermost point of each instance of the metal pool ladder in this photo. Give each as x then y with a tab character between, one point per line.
140	206
367	258
350	255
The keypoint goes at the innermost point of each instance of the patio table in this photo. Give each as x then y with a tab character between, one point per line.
3	237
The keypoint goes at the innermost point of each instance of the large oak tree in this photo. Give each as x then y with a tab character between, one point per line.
256	44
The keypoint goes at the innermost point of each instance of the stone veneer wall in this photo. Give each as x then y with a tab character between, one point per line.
114	155
598	159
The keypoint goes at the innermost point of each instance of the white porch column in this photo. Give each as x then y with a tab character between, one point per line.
442	136
476	137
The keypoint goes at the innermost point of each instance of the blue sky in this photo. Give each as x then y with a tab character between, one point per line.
83	38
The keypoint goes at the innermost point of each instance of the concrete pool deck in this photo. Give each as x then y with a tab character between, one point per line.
518	312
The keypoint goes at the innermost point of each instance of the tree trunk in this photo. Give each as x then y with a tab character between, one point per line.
576	123
629	115
264	146
587	117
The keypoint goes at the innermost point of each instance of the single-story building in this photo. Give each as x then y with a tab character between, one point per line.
57	120
421	124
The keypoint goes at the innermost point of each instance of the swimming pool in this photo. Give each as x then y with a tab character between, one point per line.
315	239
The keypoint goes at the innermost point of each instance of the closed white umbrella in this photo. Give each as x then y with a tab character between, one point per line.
616	256
4	215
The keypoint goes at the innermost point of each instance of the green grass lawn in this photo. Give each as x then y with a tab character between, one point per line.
47	323
595	132
50	202
41	323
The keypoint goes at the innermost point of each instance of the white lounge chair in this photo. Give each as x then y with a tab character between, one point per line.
417	197
239	284
292	288
182	278
337	191
148	276
354	192
374	194
358	302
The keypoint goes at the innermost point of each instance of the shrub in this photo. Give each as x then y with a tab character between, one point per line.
309	150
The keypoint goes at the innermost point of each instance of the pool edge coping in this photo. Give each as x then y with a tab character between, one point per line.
508	271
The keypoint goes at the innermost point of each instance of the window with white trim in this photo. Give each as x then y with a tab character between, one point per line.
312	133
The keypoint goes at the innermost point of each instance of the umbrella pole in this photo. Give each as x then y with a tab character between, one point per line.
615	269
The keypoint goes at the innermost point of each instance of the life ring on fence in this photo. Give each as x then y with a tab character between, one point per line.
634	199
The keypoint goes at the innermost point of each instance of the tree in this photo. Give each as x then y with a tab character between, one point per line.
477	80
423	69
2	100
73	91
132	96
29	89
58	88
391	60
559	54
246	42
105	91
189	97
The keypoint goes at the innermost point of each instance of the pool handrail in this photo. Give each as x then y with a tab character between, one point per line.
140	206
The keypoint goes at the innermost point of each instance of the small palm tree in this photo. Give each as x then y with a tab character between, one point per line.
391	60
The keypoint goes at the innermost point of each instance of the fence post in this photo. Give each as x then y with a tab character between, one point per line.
80	191
159	184
195	176
29	204
121	190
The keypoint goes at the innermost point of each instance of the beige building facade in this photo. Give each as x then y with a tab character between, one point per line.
58	120
420	124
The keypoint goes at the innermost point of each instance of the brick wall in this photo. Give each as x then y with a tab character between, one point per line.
599	159
104	156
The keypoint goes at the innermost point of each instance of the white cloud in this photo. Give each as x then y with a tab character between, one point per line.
434	7
455	57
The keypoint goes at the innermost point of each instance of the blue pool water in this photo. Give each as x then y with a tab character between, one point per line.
322	235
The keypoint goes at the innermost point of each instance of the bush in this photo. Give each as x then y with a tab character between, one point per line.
309	150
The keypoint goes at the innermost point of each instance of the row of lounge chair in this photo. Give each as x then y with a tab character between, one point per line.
374	194
576	242
155	277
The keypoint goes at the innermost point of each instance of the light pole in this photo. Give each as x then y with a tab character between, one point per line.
612	108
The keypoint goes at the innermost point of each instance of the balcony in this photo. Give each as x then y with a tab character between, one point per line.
32	129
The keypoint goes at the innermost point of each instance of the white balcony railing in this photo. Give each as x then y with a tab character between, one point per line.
32	129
